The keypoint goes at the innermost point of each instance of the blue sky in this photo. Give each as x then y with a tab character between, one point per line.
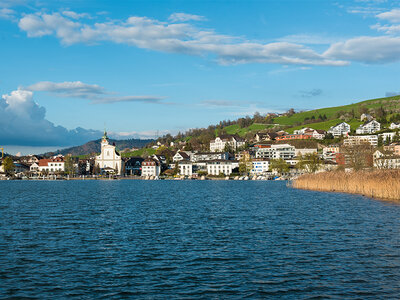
146	66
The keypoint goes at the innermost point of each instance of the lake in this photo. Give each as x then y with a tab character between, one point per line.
194	239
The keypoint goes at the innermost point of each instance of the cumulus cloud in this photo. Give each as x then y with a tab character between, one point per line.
182	17
371	50
23	122
311	93
94	92
392	16
74	15
179	37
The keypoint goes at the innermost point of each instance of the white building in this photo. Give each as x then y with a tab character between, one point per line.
366	117
339	129
150	167
277	151
52	165
394	126
360	139
387	136
386	160
180	155
185	168
260	166
329	153
369	127
219	143
203	156
109	160
316	134
218	166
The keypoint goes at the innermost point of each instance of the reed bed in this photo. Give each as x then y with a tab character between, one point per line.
380	184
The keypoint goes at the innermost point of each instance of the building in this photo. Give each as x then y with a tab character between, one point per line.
260	166
360	139
220	166
180	155
185	168
369	127
204	156
386	160
52	165
366	117
387	136
339	129
330	152
394	126
395	148
293	137
109	160
265	137
133	166
314	133
284	151
301	152
219	143
150	167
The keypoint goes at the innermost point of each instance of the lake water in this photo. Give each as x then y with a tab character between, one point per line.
194	239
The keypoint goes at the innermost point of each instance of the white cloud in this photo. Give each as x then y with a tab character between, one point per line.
23	122
388	29
182	17
94	92
74	15
372	50
183	38
392	16
310	39
7	14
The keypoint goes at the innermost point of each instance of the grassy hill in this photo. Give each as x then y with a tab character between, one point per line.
389	103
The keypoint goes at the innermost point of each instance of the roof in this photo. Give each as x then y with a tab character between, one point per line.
44	162
183	154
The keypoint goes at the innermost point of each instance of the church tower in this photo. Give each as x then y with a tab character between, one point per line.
109	160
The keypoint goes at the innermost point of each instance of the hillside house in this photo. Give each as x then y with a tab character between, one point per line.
360	139
339	129
284	151
150	167
369	127
219	143
394	126
386	160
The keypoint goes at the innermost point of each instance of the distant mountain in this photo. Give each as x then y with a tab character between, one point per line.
94	146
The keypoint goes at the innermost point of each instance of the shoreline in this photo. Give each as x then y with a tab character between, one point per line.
378	184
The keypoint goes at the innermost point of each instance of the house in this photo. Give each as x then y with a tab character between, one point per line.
301	152
386	160
219	143
369	127
265	137
339	129
34	168
316	134
221	166
20	168
395	148
394	126
180	155
366	117
260	166
185	168
204	156
329	152
360	139
52	165
109	160
284	151
244	154
133	166
150	167
293	137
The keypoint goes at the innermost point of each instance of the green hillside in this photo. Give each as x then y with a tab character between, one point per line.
389	103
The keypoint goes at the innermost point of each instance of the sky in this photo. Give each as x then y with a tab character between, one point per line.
145	68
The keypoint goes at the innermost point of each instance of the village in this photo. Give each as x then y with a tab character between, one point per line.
265	156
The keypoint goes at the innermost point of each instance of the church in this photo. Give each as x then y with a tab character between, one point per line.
109	160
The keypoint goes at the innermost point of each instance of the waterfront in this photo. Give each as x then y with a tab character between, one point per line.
191	239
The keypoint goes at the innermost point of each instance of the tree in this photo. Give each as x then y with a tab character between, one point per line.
359	156
380	140
176	168
279	165
8	166
69	165
228	148
310	162
245	165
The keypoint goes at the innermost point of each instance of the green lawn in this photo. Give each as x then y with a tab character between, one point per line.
326	125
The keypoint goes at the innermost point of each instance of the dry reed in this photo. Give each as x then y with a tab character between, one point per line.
380	184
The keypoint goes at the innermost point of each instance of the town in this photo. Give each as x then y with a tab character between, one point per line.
266	154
